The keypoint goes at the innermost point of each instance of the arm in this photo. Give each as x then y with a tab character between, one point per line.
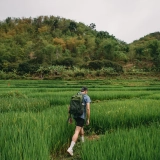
88	112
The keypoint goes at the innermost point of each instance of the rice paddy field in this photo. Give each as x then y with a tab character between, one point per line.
124	124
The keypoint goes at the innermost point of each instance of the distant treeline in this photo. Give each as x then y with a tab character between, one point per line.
26	44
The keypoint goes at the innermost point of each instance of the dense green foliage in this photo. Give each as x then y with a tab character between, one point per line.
146	51
125	116
28	45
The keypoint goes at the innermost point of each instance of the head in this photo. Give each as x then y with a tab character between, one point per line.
84	89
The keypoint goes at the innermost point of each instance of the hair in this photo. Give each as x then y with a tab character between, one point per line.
84	89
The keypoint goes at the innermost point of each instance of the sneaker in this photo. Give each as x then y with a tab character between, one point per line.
70	151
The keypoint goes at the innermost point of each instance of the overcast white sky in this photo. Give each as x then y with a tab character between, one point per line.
127	20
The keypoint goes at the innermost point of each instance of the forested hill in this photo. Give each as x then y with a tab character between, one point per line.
26	44
146	51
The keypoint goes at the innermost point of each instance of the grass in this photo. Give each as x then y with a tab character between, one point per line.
136	143
124	114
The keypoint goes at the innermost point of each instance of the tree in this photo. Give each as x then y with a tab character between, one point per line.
49	53
102	34
106	49
68	62
92	26
153	46
58	51
81	50
23	68
59	41
157	62
54	24
73	26
81	29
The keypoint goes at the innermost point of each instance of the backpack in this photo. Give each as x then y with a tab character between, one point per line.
76	105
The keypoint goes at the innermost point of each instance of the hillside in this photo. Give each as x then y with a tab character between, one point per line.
146	51
28	45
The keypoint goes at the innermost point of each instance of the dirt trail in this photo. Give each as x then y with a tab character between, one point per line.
77	150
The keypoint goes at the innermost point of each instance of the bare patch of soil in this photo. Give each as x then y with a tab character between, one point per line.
93	137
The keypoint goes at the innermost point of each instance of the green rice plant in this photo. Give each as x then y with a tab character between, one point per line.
27	105
33	123
153	96
123	114
33	136
13	93
109	95
33	101
136	143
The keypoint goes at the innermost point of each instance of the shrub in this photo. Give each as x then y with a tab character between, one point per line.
3	75
117	67
97	64
79	74
68	62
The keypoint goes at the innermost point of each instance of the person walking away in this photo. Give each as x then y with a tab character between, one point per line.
81	120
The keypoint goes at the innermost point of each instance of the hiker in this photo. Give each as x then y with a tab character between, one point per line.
81	120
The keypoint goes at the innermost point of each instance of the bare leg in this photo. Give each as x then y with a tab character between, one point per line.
74	139
82	134
76	133
82	131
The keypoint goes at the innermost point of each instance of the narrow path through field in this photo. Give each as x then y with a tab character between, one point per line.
77	150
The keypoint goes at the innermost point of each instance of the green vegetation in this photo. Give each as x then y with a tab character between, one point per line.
137	143
125	116
146	52
50	47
